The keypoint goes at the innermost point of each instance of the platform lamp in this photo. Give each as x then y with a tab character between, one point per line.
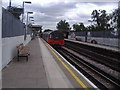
32	21
28	2
27	25
30	18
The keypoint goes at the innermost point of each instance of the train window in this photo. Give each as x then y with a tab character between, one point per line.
57	36
50	36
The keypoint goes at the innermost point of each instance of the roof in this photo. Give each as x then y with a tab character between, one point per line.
36	26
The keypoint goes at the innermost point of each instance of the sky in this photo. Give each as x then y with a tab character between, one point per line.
49	12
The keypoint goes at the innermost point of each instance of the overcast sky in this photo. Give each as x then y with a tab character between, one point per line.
49	12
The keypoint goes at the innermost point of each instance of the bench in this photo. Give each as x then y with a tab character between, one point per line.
23	51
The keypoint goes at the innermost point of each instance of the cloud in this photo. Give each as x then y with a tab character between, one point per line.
82	11
49	13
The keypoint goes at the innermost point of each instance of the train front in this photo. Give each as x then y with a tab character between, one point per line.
56	39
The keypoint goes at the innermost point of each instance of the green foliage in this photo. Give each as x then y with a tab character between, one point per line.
79	27
47	30
115	18
16	15
12	10
63	25
101	19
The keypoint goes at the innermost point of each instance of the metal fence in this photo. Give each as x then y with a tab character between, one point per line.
104	34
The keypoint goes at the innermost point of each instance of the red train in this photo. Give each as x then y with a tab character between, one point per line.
54	38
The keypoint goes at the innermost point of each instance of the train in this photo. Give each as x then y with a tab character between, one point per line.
109	38
54	38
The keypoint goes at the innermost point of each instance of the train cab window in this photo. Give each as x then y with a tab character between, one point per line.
50	36
57	36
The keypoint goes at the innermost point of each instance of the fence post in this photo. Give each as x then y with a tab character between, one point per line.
86	36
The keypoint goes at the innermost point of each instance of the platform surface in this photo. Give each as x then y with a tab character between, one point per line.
56	77
42	70
24	74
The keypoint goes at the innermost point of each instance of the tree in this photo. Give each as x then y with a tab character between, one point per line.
104	18
63	25
101	18
115	19
91	28
14	10
79	27
95	17
76	27
47	30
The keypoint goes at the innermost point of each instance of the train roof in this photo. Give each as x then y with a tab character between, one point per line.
51	32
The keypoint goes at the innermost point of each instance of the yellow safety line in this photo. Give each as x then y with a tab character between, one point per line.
76	78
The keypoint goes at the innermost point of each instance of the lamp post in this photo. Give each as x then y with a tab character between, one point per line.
23	8
27	25
32	21
30	18
27	17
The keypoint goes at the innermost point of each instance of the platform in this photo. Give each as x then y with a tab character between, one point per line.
115	49
43	70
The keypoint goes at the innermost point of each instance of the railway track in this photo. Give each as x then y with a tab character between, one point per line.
101	56
97	72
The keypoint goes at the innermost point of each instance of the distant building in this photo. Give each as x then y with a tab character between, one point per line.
37	29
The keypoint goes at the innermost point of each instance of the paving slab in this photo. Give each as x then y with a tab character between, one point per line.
55	75
25	74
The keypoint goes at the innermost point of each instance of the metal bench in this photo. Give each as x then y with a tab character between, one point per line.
23	51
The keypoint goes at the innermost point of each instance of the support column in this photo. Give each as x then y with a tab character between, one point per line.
0	44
